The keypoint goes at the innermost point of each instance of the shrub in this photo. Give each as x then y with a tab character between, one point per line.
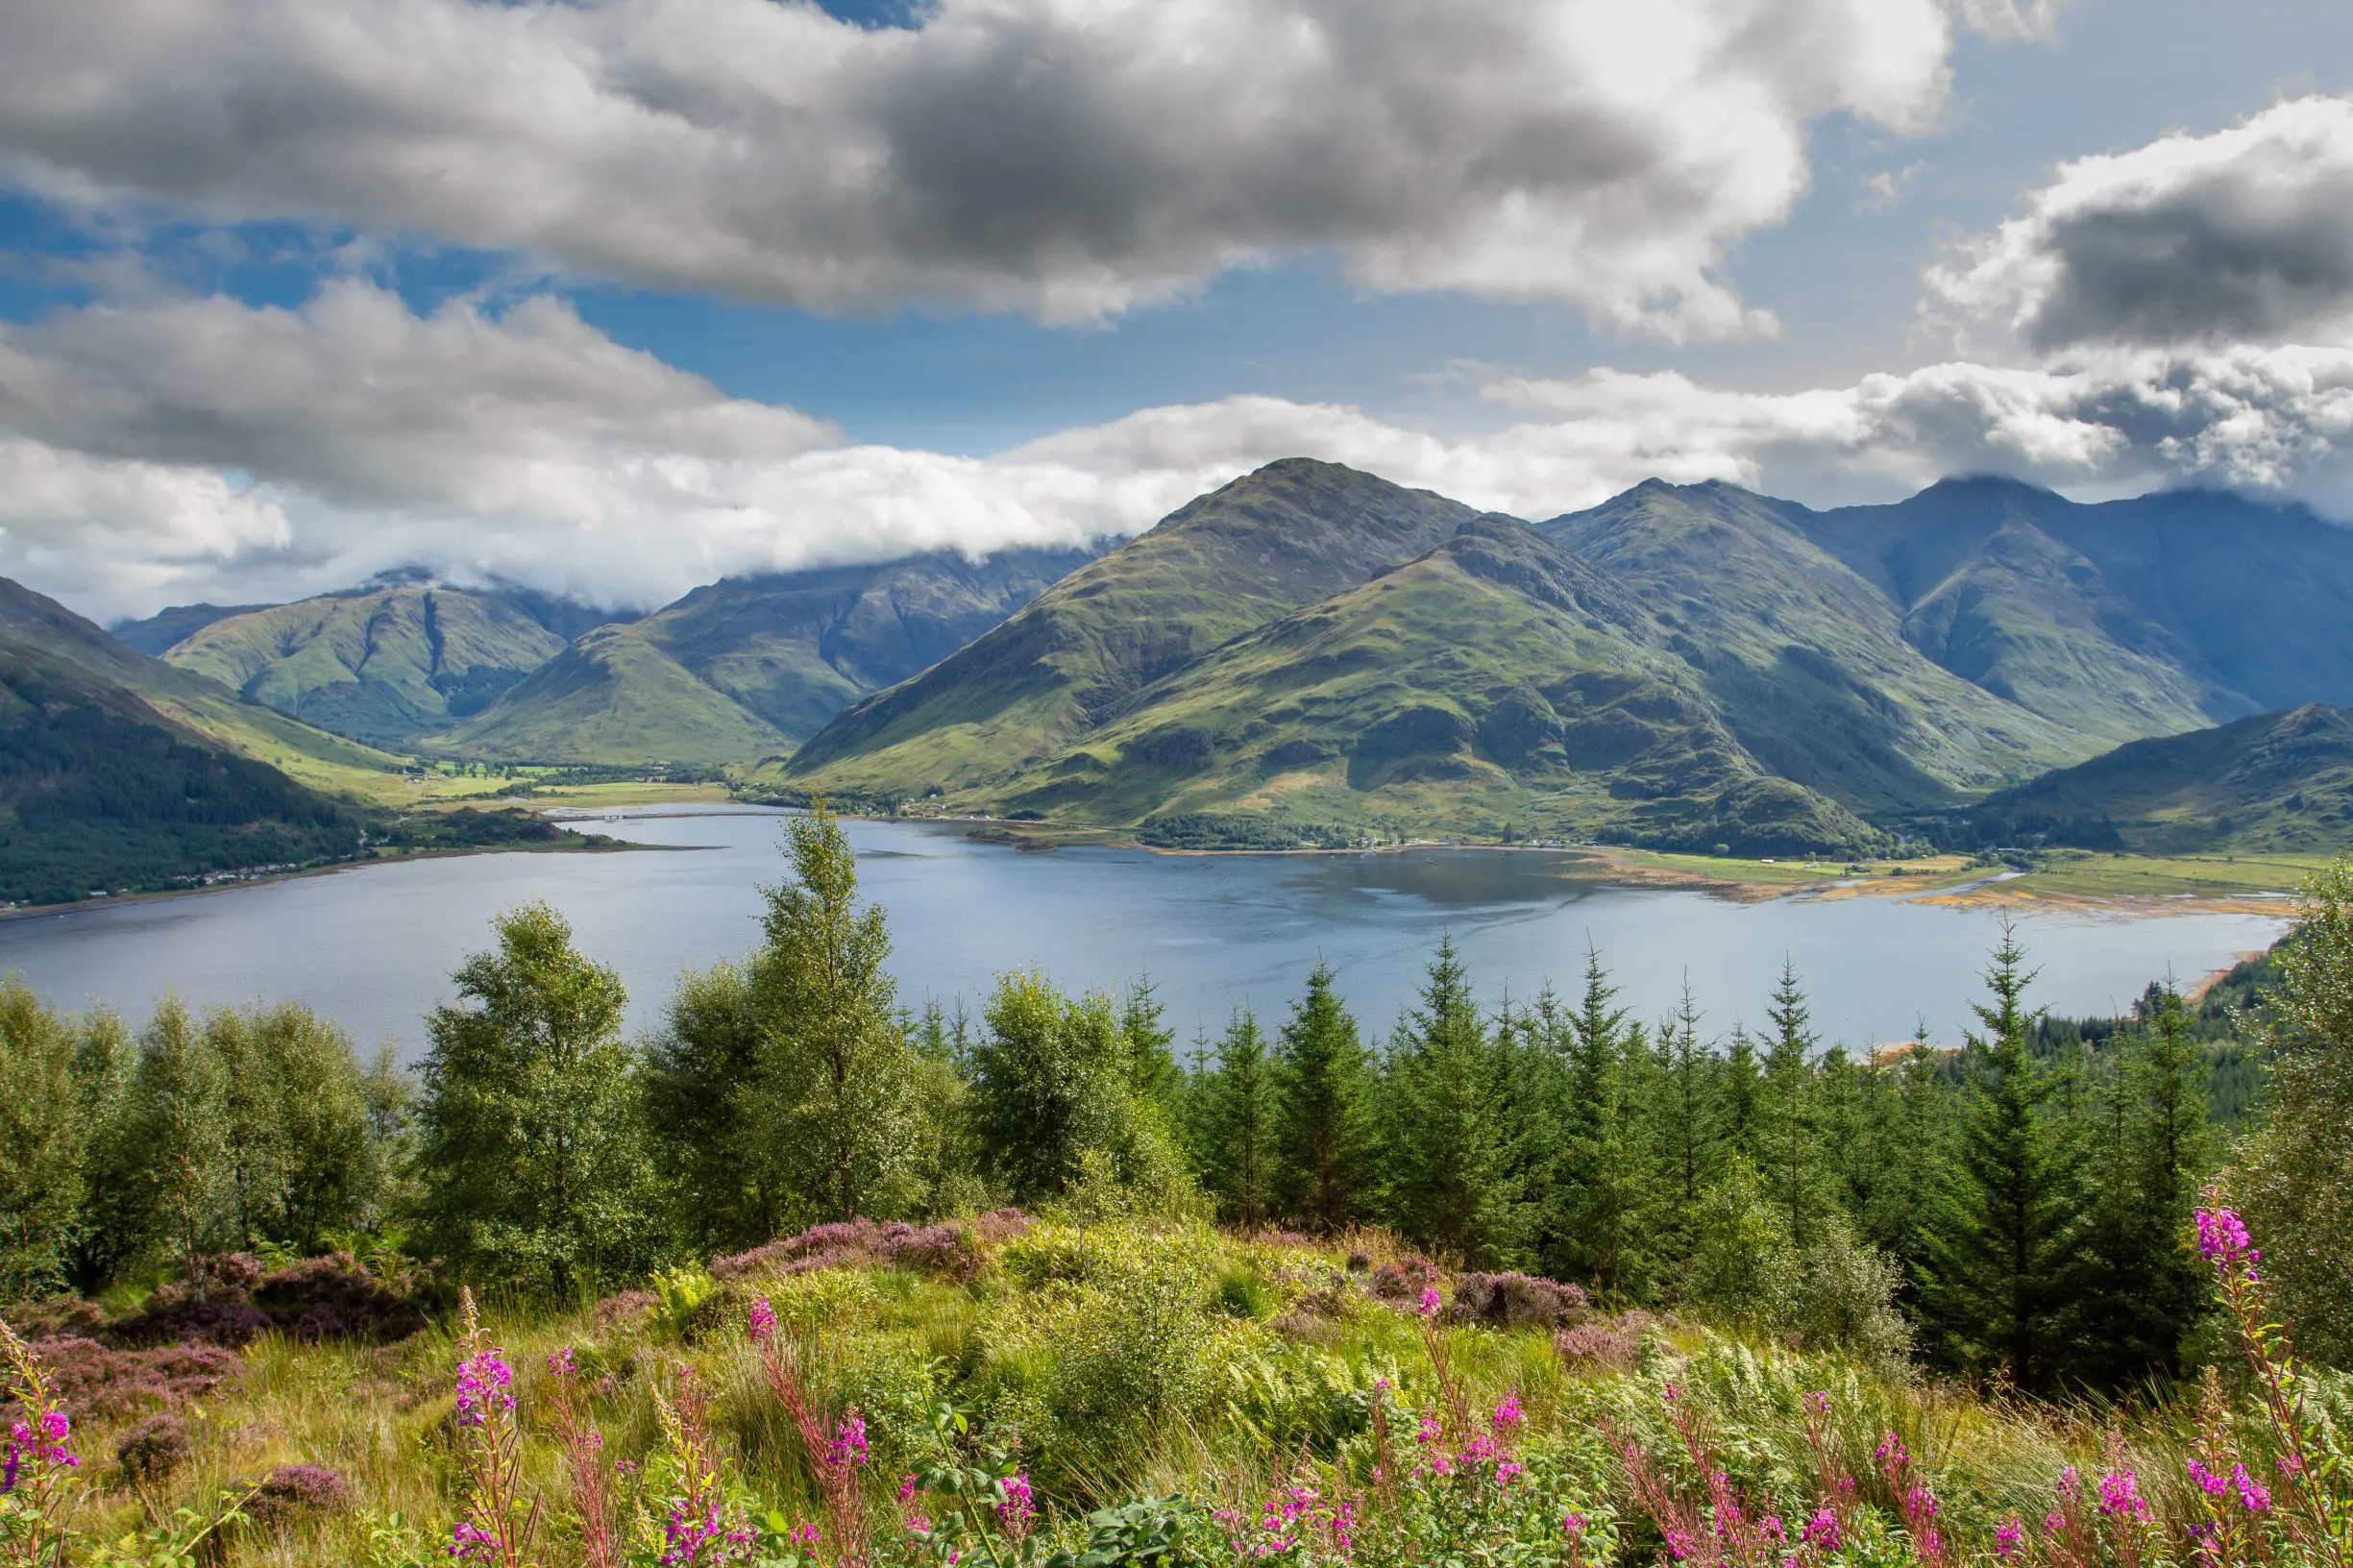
154	1447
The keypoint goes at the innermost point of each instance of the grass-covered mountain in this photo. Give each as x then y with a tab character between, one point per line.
2269	782
1494	686
1311	646
384	664
155	634
121	773
1290	534
2122	619
750	666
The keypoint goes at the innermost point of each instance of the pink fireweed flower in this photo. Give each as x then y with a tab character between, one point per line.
1508	1471
1508	1417
760	1319
2120	1497
559	1361
1429	1303
37	1446
2252	1496
2206	1481
1818	1403
1573	1526
1821	1532
847	1445
1428	1432
1016	1510
485	1389
906	1487
2222	1238
1770	1528
2054	1522
2010	1541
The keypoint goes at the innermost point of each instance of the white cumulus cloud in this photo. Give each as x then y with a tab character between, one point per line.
2243	236
1067	157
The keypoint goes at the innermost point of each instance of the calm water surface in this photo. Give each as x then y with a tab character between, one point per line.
374	948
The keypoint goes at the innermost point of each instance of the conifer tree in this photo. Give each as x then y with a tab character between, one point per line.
1323	1113
169	1153
1445	1183
1684	1115
1238	1124
1051	1084
1784	1120
1995	1260
1150	1045
1605	1185
1743	1088
530	1126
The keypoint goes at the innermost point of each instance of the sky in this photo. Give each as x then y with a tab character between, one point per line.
612	298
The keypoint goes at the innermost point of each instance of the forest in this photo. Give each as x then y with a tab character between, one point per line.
1539	1282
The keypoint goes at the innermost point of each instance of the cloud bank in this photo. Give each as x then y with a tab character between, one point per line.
2243	236
1066	157
204	449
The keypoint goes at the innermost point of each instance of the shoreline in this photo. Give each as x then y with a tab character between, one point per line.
154	895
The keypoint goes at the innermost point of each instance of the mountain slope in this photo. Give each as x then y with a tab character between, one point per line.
1492	687
1804	658
36	626
747	666
1290	533
156	633
2122	620
613	697
2272	781
384	664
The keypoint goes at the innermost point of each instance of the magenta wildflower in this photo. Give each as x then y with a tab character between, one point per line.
1818	1403
559	1361
483	1388
1821	1532
1508	1417
2010	1541
1016	1509
760	1319
847	1445
1429	1306
2120	1497
2222	1238
40	1445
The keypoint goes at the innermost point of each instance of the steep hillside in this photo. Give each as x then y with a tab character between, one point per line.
1493	687
751	665
156	633
2122	619
2273	781
386	664
1805	659
1290	534
613	697
42	626
119	772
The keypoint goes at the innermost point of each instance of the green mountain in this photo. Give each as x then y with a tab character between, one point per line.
120	772
749	665
2272	781
1223	565
1804	657
384	664
156	633
1492	687
2122	619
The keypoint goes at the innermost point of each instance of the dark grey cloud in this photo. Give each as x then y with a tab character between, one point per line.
2245	235
1067	157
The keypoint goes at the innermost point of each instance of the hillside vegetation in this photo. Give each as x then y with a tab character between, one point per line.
750	666
121	773
2271	783
754	1291
384	665
1285	662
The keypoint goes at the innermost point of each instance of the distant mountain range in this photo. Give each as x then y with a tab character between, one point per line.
120	772
1314	654
1310	652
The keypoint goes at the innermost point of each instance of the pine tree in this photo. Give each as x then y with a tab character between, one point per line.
1784	1118
1743	1129
1323	1113
1238	1124
1149	1042
1684	1117
2148	1145
530	1126
1995	1260
1605	1185
1444	1182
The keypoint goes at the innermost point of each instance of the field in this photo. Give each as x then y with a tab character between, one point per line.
1241	1397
